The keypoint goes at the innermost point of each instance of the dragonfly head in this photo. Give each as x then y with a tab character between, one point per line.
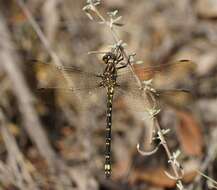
109	57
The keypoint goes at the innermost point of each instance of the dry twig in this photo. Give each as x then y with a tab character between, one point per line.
9	60
58	63
19	169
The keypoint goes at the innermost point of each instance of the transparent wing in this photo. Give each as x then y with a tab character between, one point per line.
51	76
136	100
129	91
67	82
177	98
164	74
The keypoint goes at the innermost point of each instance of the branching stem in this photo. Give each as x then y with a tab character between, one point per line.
170	156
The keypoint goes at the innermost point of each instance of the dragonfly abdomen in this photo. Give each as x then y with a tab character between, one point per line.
110	94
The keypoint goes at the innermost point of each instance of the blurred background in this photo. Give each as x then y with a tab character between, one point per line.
48	142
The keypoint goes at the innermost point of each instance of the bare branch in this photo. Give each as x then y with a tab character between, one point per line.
143	153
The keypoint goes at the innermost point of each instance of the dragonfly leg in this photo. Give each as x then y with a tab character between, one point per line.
120	58
127	63
121	67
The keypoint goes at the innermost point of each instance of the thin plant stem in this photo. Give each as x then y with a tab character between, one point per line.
157	125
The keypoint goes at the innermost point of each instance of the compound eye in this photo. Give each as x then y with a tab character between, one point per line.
106	58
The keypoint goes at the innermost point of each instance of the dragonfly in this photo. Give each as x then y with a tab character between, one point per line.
115	78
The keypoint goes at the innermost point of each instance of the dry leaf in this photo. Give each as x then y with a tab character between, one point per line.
155	176
189	134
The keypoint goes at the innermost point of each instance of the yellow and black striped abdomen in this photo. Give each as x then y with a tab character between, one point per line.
110	94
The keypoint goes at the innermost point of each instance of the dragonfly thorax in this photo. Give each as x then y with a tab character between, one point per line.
109	77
